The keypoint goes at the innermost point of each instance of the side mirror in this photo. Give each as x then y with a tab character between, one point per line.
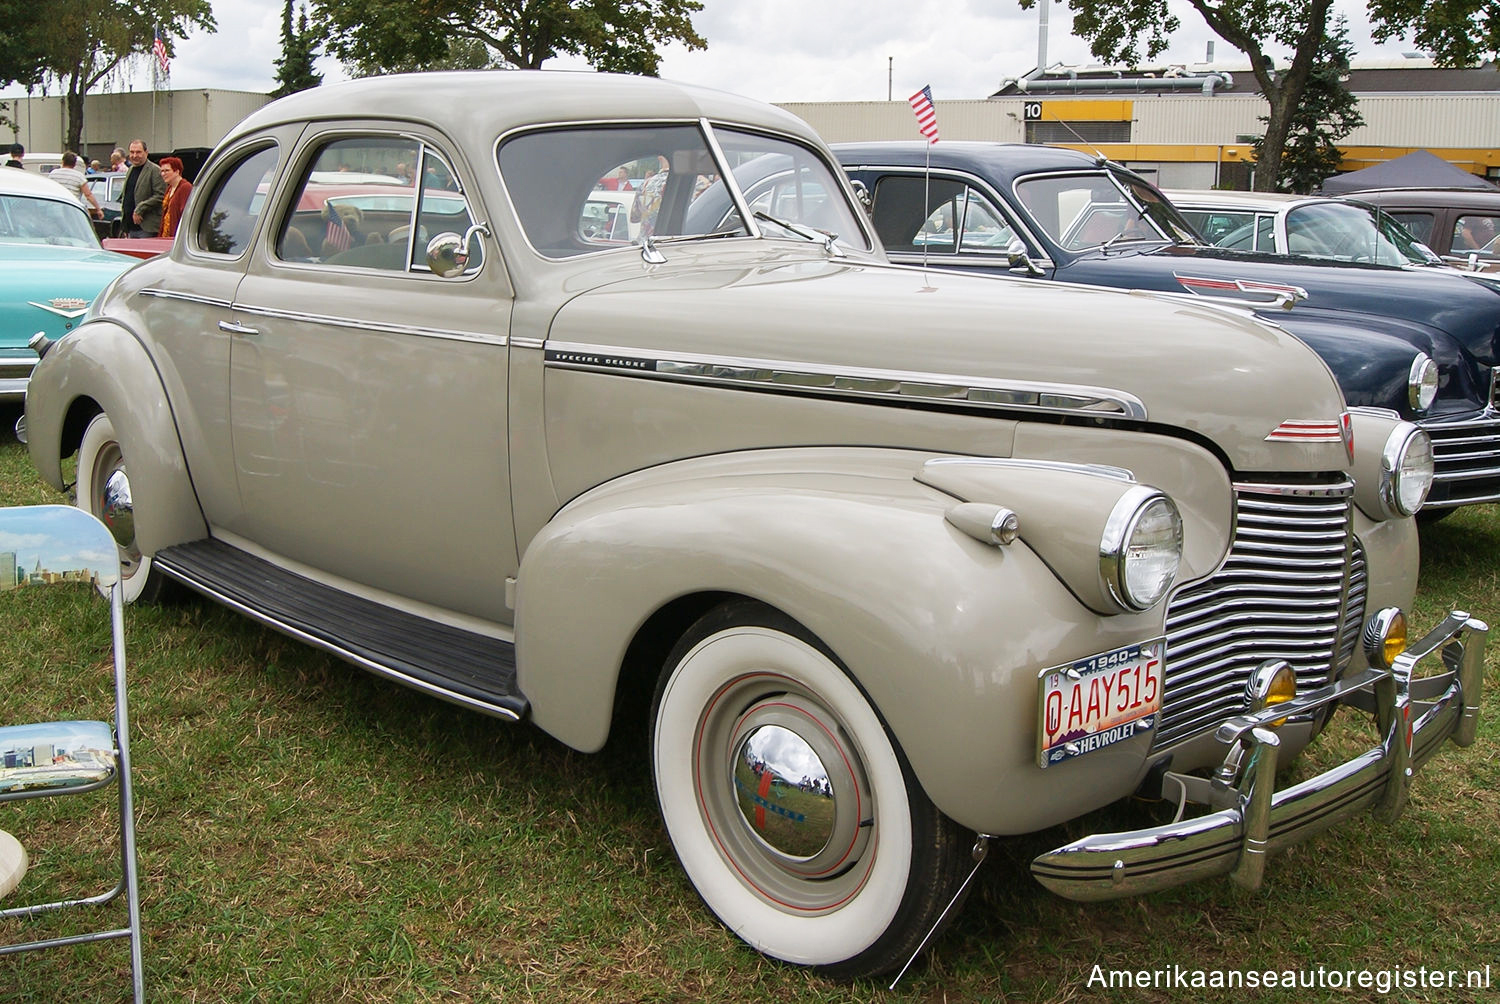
448	254
1020	261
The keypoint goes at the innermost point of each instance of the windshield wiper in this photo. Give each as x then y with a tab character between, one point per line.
828	240
652	256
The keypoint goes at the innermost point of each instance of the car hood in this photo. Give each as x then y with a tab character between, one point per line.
1407	303
953	340
48	288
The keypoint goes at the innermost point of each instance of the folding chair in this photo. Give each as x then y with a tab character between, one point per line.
53	759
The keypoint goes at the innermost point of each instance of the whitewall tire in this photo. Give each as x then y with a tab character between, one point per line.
791	809
103	490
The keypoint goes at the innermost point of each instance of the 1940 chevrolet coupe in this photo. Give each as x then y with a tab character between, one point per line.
896	581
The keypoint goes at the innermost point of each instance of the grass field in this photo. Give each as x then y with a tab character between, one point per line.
311	833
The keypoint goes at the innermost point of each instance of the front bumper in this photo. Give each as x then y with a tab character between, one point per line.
1250	819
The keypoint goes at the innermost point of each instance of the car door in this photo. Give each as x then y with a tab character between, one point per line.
187	307
368	395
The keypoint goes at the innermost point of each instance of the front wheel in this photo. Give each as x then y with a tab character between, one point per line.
103	491
791	809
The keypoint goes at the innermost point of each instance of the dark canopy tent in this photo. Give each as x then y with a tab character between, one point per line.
1415	170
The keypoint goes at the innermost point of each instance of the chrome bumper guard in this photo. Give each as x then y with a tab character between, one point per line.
1251	820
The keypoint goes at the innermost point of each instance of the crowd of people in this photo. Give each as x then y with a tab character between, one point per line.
152	197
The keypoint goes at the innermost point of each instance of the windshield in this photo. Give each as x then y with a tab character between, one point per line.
589	188
1100	208
24	220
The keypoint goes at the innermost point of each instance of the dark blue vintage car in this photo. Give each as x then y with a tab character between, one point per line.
1425	345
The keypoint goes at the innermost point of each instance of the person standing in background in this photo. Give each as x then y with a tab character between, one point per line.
17	151
69	177
140	203
117	160
175	200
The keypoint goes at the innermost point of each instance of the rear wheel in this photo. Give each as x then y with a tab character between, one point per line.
103	490
792	810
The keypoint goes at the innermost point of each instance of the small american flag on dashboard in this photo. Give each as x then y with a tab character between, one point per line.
921	103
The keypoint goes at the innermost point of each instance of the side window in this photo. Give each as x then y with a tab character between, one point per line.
915	214
1473	233
1216	226
372	202
982	230
1420	224
227	223
1265	234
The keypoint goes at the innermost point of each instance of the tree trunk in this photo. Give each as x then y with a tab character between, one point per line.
76	94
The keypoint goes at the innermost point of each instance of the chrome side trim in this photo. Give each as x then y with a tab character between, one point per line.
169	294
500	338
848	381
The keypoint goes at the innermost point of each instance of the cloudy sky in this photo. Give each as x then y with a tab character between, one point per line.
774	50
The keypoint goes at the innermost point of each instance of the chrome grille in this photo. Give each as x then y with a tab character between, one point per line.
1280	594
1466	459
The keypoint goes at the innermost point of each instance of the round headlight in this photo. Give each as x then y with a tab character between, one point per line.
1141	549
1405	470
1422	382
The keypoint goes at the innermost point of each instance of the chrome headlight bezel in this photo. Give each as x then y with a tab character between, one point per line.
1126	542
1422	382
1406	470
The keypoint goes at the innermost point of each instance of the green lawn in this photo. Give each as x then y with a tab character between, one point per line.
311	833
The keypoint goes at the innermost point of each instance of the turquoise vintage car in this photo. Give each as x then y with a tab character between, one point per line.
51	268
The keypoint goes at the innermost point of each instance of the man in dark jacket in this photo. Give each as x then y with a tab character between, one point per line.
140	202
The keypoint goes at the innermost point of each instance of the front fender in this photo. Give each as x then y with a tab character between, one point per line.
102	367
945	634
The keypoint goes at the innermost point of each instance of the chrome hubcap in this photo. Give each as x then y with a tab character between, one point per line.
785	794
116	509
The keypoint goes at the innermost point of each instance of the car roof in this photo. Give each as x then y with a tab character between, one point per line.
1234	200
14	182
1001	161
1431	198
489	103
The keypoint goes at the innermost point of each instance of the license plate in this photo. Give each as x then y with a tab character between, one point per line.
1099	701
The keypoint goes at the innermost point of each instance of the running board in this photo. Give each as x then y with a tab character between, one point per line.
466	668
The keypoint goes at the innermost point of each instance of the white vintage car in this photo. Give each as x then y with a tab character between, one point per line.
896	562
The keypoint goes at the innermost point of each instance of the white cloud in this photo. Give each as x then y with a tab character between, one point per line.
775	50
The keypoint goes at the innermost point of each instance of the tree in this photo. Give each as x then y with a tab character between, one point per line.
21	55
1326	114
1457	32
462	54
618	35
86	40
22	58
299	47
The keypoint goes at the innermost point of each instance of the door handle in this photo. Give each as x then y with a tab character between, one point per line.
235	328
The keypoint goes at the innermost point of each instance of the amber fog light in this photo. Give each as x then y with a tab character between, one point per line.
1272	683
1385	637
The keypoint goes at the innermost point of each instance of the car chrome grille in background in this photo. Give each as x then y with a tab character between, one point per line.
1466	455
1280	594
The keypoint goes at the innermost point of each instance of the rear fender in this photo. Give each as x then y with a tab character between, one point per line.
101	367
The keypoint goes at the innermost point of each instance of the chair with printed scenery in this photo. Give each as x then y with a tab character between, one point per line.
42	548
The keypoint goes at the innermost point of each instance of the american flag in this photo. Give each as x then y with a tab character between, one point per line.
921	103
160	48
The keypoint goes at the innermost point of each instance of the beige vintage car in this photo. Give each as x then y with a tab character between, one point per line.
899	561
